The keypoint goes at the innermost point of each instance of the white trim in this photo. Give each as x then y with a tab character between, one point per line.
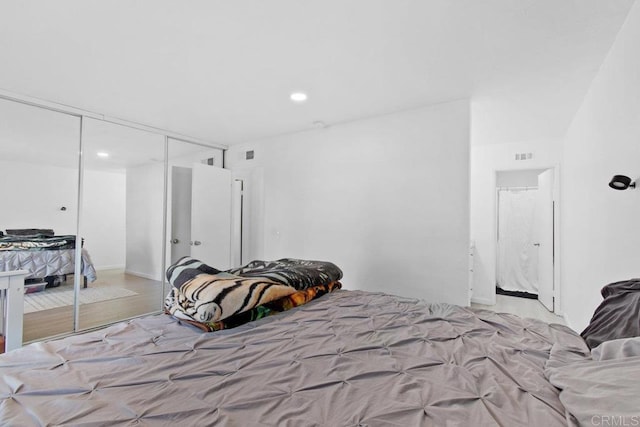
482	301
165	218
77	271
74	111
110	267
557	265
143	275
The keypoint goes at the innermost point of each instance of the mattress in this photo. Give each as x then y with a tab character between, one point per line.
347	358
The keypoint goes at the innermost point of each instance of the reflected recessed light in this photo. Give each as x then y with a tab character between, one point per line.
298	96
102	154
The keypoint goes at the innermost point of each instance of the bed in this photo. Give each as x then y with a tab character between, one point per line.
343	358
47	258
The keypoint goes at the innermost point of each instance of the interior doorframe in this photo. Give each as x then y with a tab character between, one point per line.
557	285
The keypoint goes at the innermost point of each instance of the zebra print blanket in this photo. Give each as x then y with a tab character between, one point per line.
298	273
204	294
296	299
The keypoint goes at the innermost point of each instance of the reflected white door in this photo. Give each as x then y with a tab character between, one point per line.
180	213
544	238
211	215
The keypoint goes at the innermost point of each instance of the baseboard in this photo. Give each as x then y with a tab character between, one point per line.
109	267
143	275
482	301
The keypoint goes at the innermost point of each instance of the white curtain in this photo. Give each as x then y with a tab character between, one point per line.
517	255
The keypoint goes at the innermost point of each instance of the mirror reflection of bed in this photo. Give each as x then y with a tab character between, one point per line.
120	219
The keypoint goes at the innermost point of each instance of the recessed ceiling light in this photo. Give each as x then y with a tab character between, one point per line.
298	96
102	154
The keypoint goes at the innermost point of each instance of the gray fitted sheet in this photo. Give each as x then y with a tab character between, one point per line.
348	358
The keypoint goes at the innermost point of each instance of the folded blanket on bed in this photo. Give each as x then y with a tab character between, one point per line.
204	294
274	307
186	269
300	274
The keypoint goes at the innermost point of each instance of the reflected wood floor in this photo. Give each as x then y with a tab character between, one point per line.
522	307
48	323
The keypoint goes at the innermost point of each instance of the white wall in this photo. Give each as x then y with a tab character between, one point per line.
385	198
104	217
518	178
485	161
34	193
145	198
601	226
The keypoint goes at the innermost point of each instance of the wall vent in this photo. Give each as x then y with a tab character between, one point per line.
524	156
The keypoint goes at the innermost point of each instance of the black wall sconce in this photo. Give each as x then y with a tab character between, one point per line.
621	182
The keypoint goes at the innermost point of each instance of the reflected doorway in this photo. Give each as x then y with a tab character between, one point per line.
201	214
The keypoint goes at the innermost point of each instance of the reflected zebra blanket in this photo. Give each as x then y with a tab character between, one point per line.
204	294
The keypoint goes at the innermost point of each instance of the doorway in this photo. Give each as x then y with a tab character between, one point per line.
205	210
525	258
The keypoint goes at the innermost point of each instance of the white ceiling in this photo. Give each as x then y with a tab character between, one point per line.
223	70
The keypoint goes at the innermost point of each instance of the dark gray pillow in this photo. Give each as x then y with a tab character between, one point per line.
618	316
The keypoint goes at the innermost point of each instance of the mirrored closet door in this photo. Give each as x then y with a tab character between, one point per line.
122	222
39	155
96	211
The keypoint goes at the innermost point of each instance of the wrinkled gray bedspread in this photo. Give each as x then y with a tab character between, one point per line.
348	358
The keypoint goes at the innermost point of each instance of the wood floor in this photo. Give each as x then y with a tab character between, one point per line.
523	307
59	321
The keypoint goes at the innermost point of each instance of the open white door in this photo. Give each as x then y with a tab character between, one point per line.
544	237
211	215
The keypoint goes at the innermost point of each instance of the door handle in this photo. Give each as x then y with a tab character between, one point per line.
536	244
197	243
175	241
